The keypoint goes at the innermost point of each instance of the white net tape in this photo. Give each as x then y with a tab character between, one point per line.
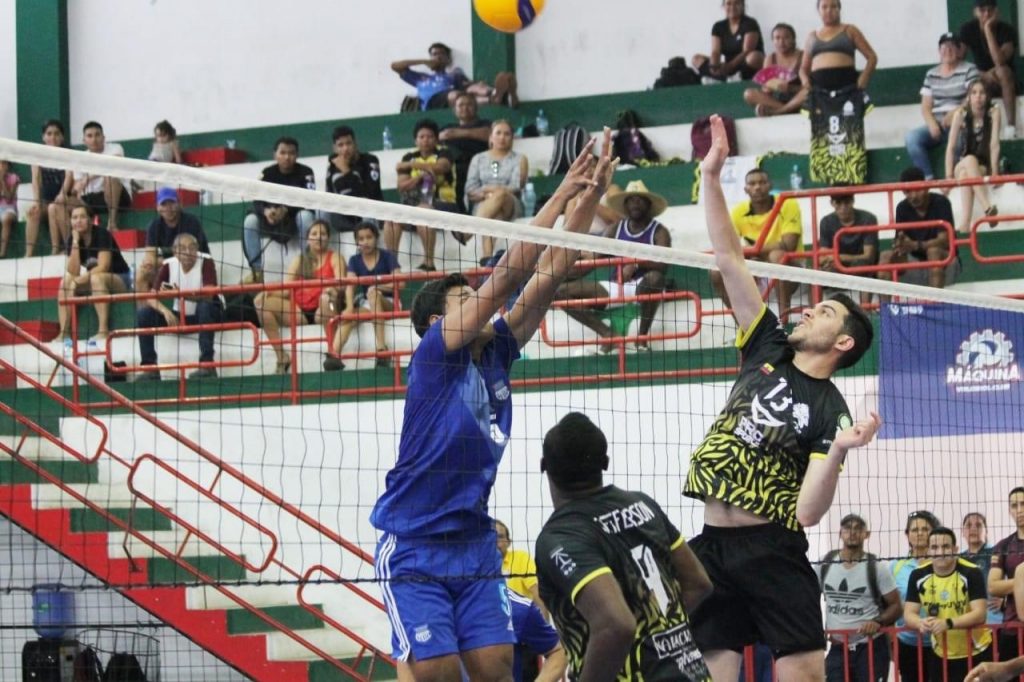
200	179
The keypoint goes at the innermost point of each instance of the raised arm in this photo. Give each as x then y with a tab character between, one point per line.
557	262
739	283
518	263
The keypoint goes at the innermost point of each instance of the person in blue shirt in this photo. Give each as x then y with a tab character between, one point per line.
437	559
534	633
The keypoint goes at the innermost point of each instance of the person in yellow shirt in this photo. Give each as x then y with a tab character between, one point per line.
784	236
951	590
519	569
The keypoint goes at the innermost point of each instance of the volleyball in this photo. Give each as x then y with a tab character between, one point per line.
508	16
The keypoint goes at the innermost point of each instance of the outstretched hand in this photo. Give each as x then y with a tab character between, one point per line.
600	176
578	177
716	156
859	434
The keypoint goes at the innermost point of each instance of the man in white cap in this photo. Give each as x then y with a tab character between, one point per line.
640	206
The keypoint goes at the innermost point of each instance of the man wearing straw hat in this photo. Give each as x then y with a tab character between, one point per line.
640	206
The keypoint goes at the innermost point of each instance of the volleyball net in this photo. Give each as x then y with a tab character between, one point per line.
248	487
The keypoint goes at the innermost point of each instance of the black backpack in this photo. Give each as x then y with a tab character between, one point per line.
87	666
569	142
124	667
630	145
876	594
677	73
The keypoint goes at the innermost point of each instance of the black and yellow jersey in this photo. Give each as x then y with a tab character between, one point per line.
948	597
838	150
626	535
776	419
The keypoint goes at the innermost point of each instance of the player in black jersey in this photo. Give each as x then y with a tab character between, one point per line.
615	573
770	462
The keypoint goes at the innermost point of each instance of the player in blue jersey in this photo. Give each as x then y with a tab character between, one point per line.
437	559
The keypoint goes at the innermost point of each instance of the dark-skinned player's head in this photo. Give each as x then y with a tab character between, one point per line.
575	453
432	300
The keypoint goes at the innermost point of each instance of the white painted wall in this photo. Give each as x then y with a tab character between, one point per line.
244	63
585	47
8	72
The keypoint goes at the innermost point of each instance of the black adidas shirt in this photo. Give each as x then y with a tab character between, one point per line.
362	179
776	418
627	535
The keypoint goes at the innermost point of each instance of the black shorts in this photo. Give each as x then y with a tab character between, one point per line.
98	203
764	590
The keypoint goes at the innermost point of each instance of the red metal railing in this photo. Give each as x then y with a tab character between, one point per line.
841	639
301	576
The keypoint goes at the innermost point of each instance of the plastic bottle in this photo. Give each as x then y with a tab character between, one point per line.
427	189
796	181
386	142
529	200
542	123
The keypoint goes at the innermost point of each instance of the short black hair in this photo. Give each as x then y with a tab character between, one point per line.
430	300
288	140
53	123
508	533
575	453
925	516
840	197
1018	489
424	123
367	225
858	326
912	174
166	128
342	131
92	124
785	27
758	169
447	50
942	530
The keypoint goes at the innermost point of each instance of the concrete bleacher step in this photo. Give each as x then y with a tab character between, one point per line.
48	496
281	647
263	596
130	239
43	288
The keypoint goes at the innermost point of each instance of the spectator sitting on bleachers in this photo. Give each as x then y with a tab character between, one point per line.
95	266
377	298
9	182
640	207
737	46
266	219
179	273
785	236
350	173
974	133
313	304
944	91
102	194
853	249
777	95
920	243
50	187
162	233
997	67
495	181
465	138
439	88
165	144
426	178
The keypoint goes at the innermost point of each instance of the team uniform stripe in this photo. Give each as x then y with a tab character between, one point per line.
587	579
383	572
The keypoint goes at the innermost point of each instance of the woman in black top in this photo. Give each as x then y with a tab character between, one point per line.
975	130
95	266
736	46
50	186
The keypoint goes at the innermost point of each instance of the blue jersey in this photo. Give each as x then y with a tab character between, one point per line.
386	264
532	631
458	417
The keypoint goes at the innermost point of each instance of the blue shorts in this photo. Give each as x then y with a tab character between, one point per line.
433	614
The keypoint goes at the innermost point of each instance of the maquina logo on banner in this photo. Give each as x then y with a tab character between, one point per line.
947	370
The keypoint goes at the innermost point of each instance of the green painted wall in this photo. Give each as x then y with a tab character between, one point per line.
42	64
